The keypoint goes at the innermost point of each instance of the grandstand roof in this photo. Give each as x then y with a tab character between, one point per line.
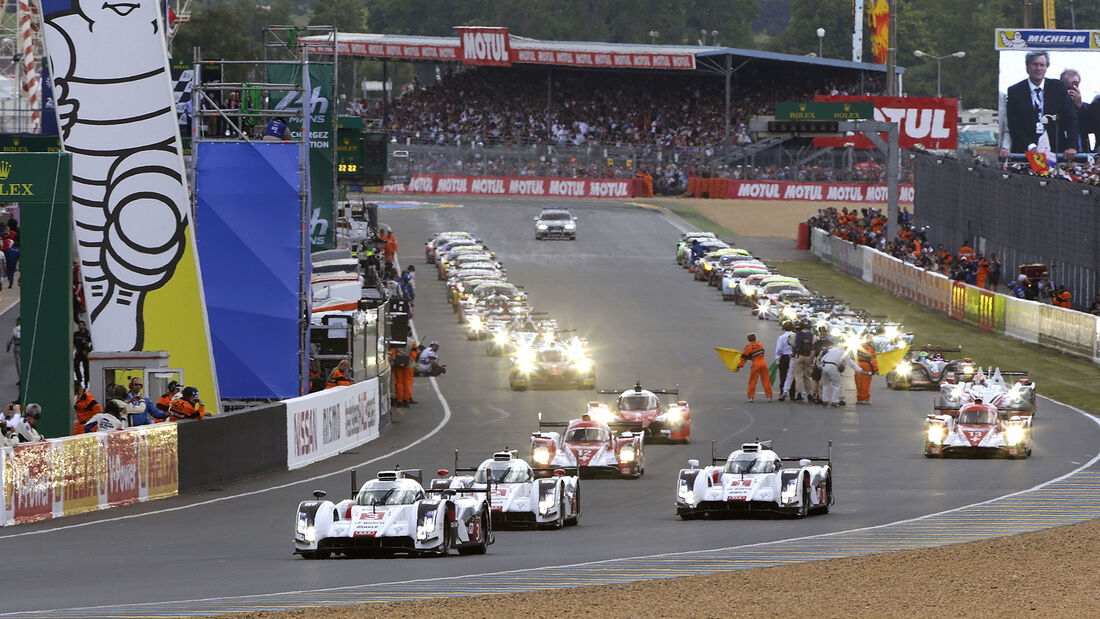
558	53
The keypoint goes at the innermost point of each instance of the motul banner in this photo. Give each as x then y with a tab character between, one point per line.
77	474
484	46
508	186
928	121
815	192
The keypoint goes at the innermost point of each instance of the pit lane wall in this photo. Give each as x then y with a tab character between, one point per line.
437	184
77	474
736	189
323	424
1061	329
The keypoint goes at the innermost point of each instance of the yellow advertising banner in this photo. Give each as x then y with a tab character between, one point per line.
162	458
80	466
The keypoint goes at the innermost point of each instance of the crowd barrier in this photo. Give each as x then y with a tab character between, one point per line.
76	474
1061	329
438	184
792	190
323	424
232	446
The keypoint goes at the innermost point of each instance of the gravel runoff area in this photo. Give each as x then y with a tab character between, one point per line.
1043	574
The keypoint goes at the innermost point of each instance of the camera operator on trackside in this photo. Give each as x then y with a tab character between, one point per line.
428	362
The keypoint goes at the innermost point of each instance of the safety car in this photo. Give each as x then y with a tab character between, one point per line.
989	385
978	429
558	364
555	223
516	496
589	445
926	368
755	479
393	514
640	410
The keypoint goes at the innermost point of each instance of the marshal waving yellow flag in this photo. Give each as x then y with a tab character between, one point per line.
890	359
730	357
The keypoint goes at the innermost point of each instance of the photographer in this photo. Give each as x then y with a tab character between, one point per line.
428	362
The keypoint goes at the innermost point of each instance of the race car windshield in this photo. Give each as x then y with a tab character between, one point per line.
978	416
778	288
551	355
586	435
388	494
555	216
515	471
638	403
748	464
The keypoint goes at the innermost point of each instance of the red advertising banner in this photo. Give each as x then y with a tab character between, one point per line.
484	46
32	482
928	121
122	468
509	186
815	192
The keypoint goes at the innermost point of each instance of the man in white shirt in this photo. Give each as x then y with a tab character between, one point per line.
834	360
783	352
428	361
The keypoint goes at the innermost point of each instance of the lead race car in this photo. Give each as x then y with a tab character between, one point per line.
641	411
554	364
977	430
393	514
589	445
517	497
754	479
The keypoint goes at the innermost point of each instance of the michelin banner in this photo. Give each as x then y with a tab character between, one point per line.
323	424
131	209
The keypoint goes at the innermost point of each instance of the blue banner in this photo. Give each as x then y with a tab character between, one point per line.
249	222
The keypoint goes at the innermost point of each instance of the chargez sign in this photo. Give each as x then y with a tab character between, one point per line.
514	186
930	122
322	142
323	424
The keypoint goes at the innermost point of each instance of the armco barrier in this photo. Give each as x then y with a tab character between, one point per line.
515	186
230	446
1062	329
323	424
77	474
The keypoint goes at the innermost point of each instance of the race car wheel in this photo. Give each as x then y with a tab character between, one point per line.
575	519
828	494
445	547
483	544
516	387
804	508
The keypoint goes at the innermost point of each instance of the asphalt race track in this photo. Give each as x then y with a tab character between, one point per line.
645	319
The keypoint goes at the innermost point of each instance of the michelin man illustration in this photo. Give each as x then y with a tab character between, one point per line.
117	118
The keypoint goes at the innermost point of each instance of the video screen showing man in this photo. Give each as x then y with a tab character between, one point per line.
1032	101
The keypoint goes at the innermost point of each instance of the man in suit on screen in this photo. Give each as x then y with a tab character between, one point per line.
1034	100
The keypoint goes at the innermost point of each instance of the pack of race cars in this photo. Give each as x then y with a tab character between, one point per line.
977	412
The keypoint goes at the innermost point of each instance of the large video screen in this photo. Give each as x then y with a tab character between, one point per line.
1087	63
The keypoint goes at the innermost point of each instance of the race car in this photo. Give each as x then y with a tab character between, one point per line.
978	429
709	262
508	337
729	261
754	479
392	514
443	238
555	222
558	364
516	496
695	252
732	276
683	246
590	446
640	410
989	386
926	368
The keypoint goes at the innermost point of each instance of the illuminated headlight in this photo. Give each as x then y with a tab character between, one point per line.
851	342
547	503
541	455
542	226
583	365
526	367
904	369
789	491
476	323
570	225
935	434
835	332
890	332
548	337
762	307
968	369
601	414
675	415
525	355
303	524
500	338
310	534
685	494
789	313
956	392
1015	395
626	454
1014	435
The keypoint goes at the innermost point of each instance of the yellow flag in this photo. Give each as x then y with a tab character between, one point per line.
890	359
730	357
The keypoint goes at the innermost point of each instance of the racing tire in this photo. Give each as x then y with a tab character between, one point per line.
575	519
483	545
516	387
445	547
804	508
828	494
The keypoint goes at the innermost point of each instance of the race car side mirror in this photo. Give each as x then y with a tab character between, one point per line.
693	463
319	494
443	472
535	218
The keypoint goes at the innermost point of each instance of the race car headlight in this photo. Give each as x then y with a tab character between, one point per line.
500	338
835	332
525	355
956	392
685	494
626	454
547	503
310	534
968	369
904	369
583	365
762	306
542	226
935	434
303	524
526	367
1014	435
601	414
541	455
426	527
675	415
475	323
789	491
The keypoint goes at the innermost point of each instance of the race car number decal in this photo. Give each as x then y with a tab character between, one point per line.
735	498
372	515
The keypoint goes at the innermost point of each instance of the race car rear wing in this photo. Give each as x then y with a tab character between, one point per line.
714	459
675	391
931	347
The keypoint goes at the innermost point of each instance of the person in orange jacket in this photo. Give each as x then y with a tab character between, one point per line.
403	359
389	252
85	407
755	352
1063	298
982	275
339	375
188	406
164	402
868	367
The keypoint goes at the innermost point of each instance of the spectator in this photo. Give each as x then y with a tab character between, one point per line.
1062	297
276	130
8	436
15	347
116	400
85	407
187	406
995	270
1072	79
82	345
164	402
28	433
111	419
339	376
9	242
784	350
1095	307
140	410
428	362
13	415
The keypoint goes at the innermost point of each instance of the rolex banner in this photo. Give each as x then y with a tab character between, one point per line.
131	209
322	141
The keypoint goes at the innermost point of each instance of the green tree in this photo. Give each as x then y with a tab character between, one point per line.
345	15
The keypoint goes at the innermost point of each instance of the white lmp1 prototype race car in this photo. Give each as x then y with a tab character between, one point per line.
517	497
977	430
989	386
590	446
392	514
755	479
